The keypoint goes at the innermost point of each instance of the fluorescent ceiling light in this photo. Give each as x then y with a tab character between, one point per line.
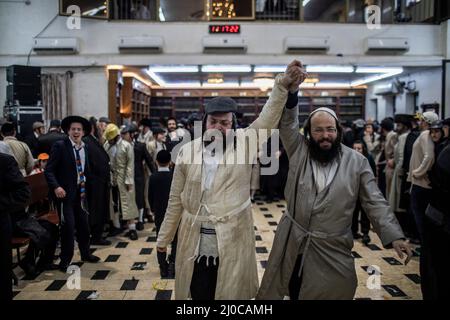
161	15
221	85
377	77
156	78
174	69
332	85
183	85
305	2
269	68
135	75
376	70
226	68
336	69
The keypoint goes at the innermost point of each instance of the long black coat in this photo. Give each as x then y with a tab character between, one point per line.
14	193
140	155
33	143
98	186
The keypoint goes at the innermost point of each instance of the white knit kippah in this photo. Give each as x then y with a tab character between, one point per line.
325	109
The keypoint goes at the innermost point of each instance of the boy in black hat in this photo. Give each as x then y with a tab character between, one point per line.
67	172
158	196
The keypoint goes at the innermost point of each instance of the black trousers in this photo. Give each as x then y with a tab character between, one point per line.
365	223
73	219
381	176
173	252
204	279
295	282
5	257
439	254
98	200
420	198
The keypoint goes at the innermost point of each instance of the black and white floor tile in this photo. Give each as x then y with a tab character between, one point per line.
129	269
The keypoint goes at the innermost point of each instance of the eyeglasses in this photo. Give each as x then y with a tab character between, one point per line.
330	130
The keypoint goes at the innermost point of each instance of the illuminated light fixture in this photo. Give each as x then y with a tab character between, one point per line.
376	70
183	85
226	68
161	14
311	80
305	85
264	83
136	76
332	85
156	78
329	69
305	2
174	69
394	72
269	69
114	67
215	80
221	85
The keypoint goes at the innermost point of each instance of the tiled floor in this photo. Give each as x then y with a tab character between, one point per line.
130	269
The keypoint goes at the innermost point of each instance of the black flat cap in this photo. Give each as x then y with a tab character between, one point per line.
436	124
221	105
146	122
405	119
55	123
104	119
158	130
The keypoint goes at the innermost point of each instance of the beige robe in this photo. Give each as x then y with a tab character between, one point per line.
396	184
122	167
389	147
319	224
229	209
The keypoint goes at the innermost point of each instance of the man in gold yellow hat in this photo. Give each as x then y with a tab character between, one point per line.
121	155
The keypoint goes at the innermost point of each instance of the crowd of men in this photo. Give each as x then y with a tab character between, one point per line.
105	180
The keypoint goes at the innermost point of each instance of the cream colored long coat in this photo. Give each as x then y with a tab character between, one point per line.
230	211
122	166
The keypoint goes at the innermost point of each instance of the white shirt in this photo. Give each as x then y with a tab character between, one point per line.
323	175
82	157
163	169
210	165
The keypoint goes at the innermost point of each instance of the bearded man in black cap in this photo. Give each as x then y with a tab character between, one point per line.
210	195
67	172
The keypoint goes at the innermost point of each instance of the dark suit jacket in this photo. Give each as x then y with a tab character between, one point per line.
33	143
14	190
61	168
46	141
99	166
158	192
140	155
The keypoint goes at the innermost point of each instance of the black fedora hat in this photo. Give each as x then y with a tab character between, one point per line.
67	121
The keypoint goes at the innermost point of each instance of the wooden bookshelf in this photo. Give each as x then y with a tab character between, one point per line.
348	104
